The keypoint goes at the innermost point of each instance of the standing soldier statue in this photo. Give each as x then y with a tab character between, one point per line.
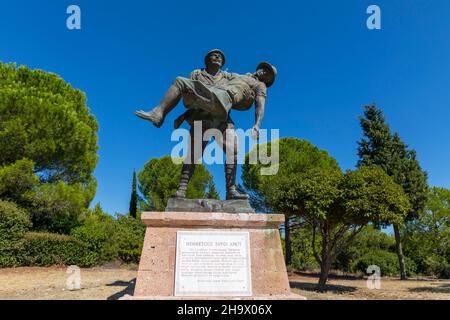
209	95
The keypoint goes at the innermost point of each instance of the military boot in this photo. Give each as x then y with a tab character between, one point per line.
186	173
230	177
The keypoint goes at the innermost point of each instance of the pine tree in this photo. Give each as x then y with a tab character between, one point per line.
381	148
134	198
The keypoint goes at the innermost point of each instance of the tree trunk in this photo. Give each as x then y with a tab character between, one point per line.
287	242
325	263
401	258
324	272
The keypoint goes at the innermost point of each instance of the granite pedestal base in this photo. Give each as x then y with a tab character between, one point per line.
156	275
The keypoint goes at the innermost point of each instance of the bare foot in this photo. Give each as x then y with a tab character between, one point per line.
151	116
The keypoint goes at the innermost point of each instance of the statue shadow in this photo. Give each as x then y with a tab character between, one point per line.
128	288
443	288
330	276
312	287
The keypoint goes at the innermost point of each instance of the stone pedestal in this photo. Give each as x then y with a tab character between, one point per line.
156	276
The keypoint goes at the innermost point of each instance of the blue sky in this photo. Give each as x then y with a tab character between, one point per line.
329	64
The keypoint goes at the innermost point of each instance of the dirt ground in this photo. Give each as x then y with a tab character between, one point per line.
112	283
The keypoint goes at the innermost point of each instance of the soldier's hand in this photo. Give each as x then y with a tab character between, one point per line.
255	132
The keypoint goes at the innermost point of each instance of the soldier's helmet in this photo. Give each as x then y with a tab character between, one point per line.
215	51
272	71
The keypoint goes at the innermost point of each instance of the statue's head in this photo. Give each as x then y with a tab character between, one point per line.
266	73
215	56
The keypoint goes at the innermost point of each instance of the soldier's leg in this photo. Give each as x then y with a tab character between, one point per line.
188	168
230	148
170	100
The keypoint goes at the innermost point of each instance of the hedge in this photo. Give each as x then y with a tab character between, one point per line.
14	223
46	249
387	261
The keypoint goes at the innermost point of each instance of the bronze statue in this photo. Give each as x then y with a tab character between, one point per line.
209	95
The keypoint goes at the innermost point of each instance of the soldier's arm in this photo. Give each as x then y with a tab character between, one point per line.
260	105
260	91
231	76
260	102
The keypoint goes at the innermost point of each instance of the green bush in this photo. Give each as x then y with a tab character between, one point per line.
129	237
436	266
14	223
368	240
58	207
302	252
98	233
112	239
387	261
16	180
46	249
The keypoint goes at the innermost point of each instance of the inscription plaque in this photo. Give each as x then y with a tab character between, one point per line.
213	263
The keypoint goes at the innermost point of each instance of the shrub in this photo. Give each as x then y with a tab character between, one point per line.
129	237
368	240
302	252
16	179
45	249
436	266
387	261
14	223
58	207
120	238
97	233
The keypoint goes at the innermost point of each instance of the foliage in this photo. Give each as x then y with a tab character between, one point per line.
46	249
387	261
427	240
98	233
370	239
101	238
299	159
302	252
48	143
58	207
381	148
370	195
134	197
112	239
212	192
129	237
17	179
159	180
310	184
47	121
14	223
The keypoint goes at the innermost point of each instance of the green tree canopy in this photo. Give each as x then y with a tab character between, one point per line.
159	180
44	119
58	207
310	184
427	239
16	180
48	143
298	160
379	147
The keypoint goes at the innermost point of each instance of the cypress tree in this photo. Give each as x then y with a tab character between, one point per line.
134	197
381	148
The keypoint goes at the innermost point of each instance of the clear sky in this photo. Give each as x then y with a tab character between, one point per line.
329	63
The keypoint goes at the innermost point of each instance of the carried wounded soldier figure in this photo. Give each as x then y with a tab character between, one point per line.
211	101
238	93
